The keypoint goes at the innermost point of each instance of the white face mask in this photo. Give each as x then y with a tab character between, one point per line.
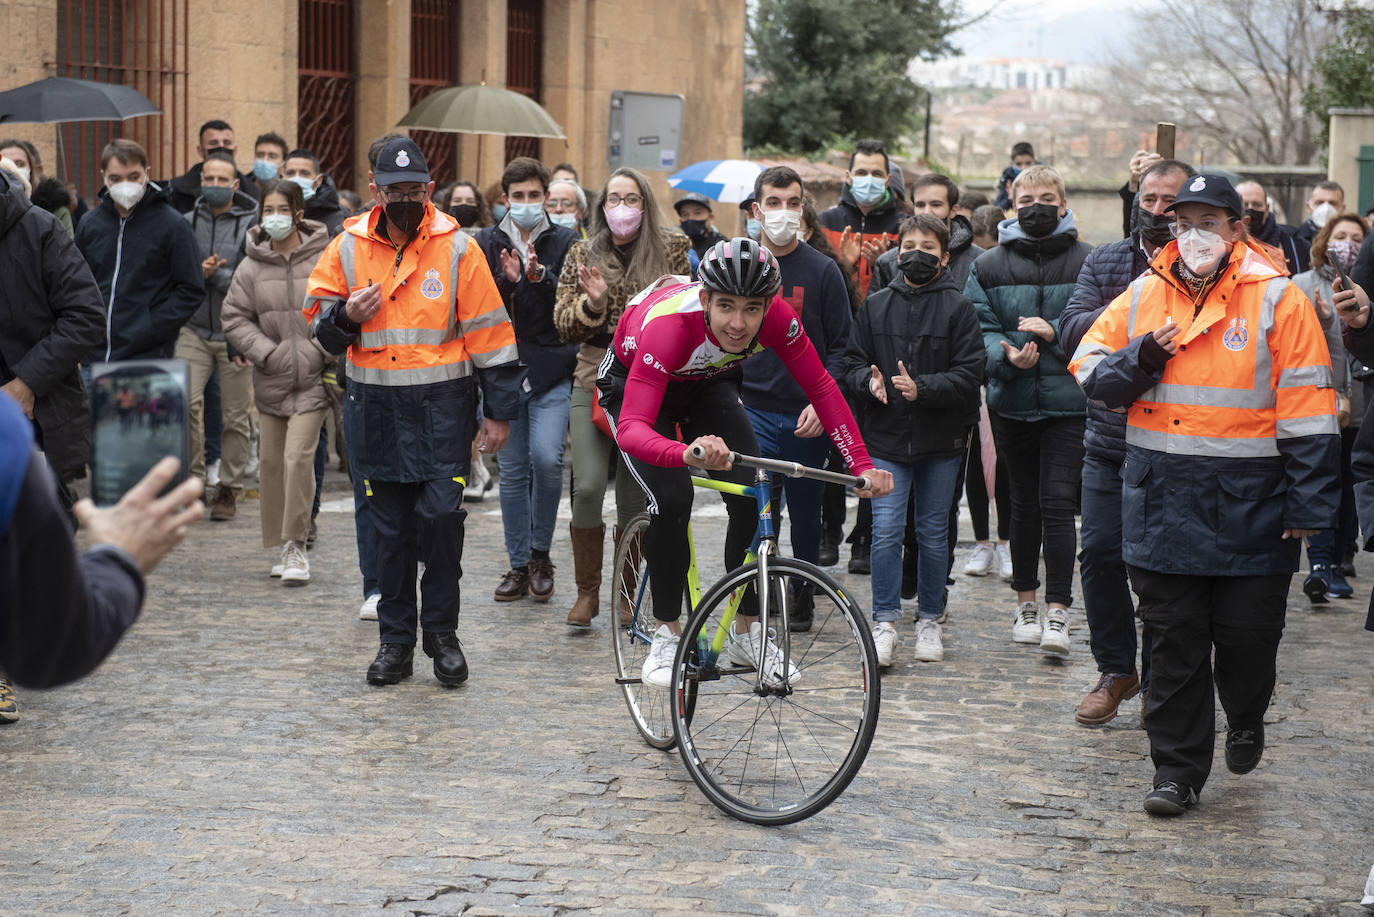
781	226
24	171
1323	212
127	193
1201	250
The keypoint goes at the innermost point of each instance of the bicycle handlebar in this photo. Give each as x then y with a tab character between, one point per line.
791	469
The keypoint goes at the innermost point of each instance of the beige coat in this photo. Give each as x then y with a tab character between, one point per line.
263	321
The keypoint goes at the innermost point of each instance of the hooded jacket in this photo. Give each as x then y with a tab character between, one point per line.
148	268
962	253
879	223
1023	278
1107	272
934	332
324	207
184	190
51	313
263	321
221	235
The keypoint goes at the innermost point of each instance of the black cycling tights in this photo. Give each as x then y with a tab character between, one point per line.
697	409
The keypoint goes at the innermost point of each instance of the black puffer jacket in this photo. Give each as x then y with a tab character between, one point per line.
148	268
50	317
1106	273
324	207
934	332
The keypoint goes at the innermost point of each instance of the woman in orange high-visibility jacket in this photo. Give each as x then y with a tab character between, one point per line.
412	301
1232	452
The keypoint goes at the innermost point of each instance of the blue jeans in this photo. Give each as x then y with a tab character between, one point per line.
529	509
803	497
930	483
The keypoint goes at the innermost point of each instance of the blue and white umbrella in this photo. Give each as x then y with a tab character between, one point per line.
726	180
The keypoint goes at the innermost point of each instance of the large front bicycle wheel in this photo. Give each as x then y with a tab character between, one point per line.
773	754
633	631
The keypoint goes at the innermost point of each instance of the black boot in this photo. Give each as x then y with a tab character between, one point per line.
801	605
858	557
450	667
393	662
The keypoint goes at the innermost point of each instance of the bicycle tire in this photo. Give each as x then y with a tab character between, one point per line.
649	707
824	726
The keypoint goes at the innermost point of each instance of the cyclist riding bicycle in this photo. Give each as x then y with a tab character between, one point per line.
674	363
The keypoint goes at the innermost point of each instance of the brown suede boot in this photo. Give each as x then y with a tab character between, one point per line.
587	547
624	588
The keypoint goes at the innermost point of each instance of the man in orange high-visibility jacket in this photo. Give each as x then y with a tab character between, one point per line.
412	301
1232	457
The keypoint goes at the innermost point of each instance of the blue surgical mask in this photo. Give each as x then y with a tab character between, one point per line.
868	189
753	227
499	211
527	216
307	185
264	169
567	220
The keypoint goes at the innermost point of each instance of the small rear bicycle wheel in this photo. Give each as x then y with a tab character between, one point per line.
632	633
777	754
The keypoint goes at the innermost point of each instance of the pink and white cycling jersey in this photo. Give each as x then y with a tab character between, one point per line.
663	337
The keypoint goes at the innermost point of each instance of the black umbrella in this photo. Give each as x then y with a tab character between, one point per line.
59	98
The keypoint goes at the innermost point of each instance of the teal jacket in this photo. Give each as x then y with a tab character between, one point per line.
1025	277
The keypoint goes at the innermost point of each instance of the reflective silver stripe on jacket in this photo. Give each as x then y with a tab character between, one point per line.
403	337
346	259
508	354
1300	376
1212	446
1307	426
424	375
1212	396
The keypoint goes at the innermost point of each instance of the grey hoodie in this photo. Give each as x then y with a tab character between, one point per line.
222	235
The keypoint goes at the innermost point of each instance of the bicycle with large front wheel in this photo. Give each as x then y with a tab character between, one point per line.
765	750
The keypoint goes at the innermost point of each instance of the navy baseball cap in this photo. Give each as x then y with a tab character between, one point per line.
1212	189
400	161
692	197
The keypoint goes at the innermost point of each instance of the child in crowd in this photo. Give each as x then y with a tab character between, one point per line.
1022	158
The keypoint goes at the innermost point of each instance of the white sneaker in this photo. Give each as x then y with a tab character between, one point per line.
295	567
1003	551
369	610
885	642
1027	627
658	665
212	474
745	650
981	560
929	646
276	570
480	482
1055	640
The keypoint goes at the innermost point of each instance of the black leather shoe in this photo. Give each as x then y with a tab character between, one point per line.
450	666
829	554
1170	799
394	661
858	558
801	607
1244	748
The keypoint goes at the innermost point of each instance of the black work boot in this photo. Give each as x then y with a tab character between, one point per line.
393	662
450	666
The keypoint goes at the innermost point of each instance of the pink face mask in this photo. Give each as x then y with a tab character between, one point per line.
623	219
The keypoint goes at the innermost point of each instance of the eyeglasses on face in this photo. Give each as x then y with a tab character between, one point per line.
631	200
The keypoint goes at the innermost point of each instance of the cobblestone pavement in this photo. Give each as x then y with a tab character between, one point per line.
230	759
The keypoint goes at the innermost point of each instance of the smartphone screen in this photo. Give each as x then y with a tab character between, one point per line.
139	409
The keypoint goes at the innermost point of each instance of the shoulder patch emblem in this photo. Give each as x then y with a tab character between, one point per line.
433	287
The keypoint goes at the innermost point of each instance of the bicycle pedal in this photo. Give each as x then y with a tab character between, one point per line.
629	681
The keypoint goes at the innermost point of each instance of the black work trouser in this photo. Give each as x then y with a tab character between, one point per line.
1188	619
417	522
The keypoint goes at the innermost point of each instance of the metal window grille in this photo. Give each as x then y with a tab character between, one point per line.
327	76
140	43
524	55
434	65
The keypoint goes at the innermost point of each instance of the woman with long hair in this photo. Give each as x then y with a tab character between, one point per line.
626	250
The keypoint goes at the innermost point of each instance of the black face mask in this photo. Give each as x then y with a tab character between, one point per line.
1154	228
1255	221
695	229
406	215
1038	220
466	214
919	267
